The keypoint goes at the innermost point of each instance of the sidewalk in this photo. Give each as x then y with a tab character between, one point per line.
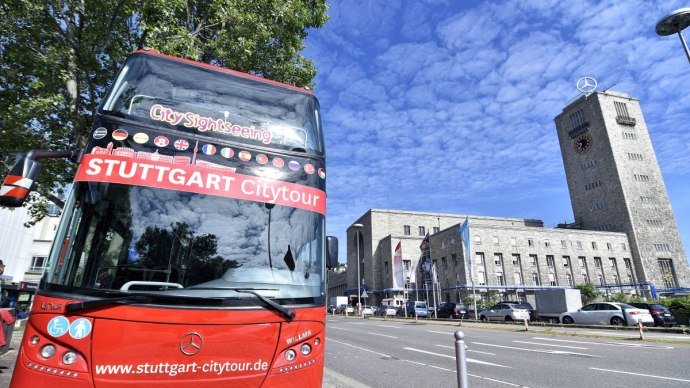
8	359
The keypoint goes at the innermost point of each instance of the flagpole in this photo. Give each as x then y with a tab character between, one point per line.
469	252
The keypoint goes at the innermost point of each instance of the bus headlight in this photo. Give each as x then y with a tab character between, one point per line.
305	349
290	355
69	358
48	351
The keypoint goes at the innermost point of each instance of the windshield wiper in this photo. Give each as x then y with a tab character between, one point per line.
284	311
87	304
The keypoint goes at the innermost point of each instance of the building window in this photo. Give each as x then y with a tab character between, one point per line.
533	260
496	241
578	244
668	274
422	231
406	265
549	261
479	258
513	241
477	239
406	230
594	245
585	278
608	246
454	257
436	229
516	260
577	119
623	247
569	279
535	278
564	244
581	260
499	279
600	279
613	262
498	258
481	278
385	266
547	243
552	279
444	264
615	279
566	261
517	276
622	115
530	242
38	264
597	262
627	264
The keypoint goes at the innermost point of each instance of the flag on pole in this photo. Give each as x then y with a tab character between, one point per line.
398	281
413	272
434	275
465	236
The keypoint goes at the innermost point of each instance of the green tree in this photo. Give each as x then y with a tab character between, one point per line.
588	291
58	57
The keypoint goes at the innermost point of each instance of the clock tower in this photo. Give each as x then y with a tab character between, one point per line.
616	185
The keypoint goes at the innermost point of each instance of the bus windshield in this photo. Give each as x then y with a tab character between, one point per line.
132	238
203	100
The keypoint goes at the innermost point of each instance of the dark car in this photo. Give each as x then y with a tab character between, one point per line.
661	315
526	306
452	310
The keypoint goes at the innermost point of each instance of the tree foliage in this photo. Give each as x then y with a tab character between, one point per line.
588	292
58	57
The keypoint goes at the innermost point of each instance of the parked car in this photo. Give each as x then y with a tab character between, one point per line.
343	308
385	310
504	312
414	308
524	305
330	309
367	310
608	313
452	310
661	315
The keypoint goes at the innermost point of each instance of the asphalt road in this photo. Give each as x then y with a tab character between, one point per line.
376	353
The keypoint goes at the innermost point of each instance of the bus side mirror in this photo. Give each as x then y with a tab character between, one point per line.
331	252
19	181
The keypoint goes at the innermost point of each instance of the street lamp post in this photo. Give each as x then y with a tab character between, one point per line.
675	23
358	228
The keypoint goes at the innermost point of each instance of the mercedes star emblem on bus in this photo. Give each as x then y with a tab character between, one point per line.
191	343
586	85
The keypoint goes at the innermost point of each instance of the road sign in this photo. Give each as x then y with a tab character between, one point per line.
364	294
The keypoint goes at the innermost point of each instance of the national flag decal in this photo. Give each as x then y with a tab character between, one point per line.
309	168
227	152
244	156
208	149
322	173
293	165
161	141
262	159
181	144
140	137
278	162
120	134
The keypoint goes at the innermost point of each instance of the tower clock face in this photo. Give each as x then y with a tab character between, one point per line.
582	144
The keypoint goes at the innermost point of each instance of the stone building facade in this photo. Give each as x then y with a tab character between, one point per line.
615	183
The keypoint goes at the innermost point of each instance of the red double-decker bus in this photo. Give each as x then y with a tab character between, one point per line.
192	246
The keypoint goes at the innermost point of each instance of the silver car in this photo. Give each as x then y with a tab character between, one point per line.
605	313
504	312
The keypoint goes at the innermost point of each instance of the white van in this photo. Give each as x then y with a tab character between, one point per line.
395	302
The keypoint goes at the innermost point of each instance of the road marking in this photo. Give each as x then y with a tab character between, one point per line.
607	343
357	347
469	350
330	374
549	351
439	332
553	345
429	365
383	335
392	327
453	357
497	381
640	374
356	323
338	328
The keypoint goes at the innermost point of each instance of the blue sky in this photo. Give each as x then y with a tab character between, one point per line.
448	106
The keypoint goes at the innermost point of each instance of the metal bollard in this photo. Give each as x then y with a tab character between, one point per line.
461	359
526	325
639	322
